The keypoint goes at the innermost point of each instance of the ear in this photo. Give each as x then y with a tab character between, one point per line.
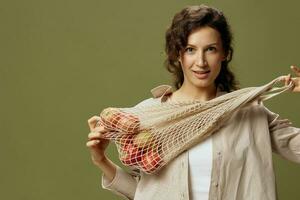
179	60
224	58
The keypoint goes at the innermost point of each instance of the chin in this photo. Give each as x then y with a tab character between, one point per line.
202	84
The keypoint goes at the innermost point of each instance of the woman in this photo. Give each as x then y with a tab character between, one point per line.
235	162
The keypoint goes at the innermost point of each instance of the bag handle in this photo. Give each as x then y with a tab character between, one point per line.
276	90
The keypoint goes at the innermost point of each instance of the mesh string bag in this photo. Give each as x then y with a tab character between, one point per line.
150	136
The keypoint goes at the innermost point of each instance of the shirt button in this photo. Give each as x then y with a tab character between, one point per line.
182	195
219	152
216	184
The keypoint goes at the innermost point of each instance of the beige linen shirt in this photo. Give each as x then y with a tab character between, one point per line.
242	167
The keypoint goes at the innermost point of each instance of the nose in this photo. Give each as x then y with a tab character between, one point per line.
201	60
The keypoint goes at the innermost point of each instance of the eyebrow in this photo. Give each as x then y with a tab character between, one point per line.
215	43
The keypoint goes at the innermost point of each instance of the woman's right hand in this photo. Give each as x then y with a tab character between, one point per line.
95	143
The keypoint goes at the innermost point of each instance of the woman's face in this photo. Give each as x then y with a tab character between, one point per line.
202	57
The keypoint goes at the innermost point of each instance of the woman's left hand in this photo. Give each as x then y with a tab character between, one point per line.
296	79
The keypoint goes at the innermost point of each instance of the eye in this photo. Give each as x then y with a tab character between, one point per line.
212	48
189	49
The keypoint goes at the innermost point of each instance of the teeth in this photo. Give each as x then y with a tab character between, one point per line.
201	72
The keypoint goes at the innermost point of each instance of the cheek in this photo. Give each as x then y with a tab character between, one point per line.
215	65
214	59
187	62
217	70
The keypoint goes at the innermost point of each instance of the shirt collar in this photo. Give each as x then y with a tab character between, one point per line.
162	91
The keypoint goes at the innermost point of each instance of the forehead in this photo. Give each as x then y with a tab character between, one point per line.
203	36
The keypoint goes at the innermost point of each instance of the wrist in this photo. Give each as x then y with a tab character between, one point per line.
108	168
101	160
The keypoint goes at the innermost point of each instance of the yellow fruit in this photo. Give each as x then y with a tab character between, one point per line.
143	139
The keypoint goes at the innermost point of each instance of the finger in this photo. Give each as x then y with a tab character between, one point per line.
92	143
94	135
93	121
284	121
101	129
296	70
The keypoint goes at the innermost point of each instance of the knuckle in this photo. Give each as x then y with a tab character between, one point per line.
88	144
93	118
98	129
90	135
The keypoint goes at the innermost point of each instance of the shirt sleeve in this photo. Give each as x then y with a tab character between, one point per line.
123	184
285	138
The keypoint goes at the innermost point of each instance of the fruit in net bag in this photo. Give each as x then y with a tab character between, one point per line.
151	160
117	120
130	155
143	140
140	150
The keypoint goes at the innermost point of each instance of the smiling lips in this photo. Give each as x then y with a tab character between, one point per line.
201	74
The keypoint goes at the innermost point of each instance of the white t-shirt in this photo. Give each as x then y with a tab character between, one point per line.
200	166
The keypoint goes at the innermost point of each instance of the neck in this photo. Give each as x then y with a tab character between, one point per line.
195	93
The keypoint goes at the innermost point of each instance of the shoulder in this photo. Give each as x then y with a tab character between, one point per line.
147	102
157	93
272	116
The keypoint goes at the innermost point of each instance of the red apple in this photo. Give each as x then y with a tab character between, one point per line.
151	161
131	155
124	141
128	123
115	119
110	117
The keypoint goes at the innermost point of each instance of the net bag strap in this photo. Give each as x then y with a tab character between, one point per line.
276	90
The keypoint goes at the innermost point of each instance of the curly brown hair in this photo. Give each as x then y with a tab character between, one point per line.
183	23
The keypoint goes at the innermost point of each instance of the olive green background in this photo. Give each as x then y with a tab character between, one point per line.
63	61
